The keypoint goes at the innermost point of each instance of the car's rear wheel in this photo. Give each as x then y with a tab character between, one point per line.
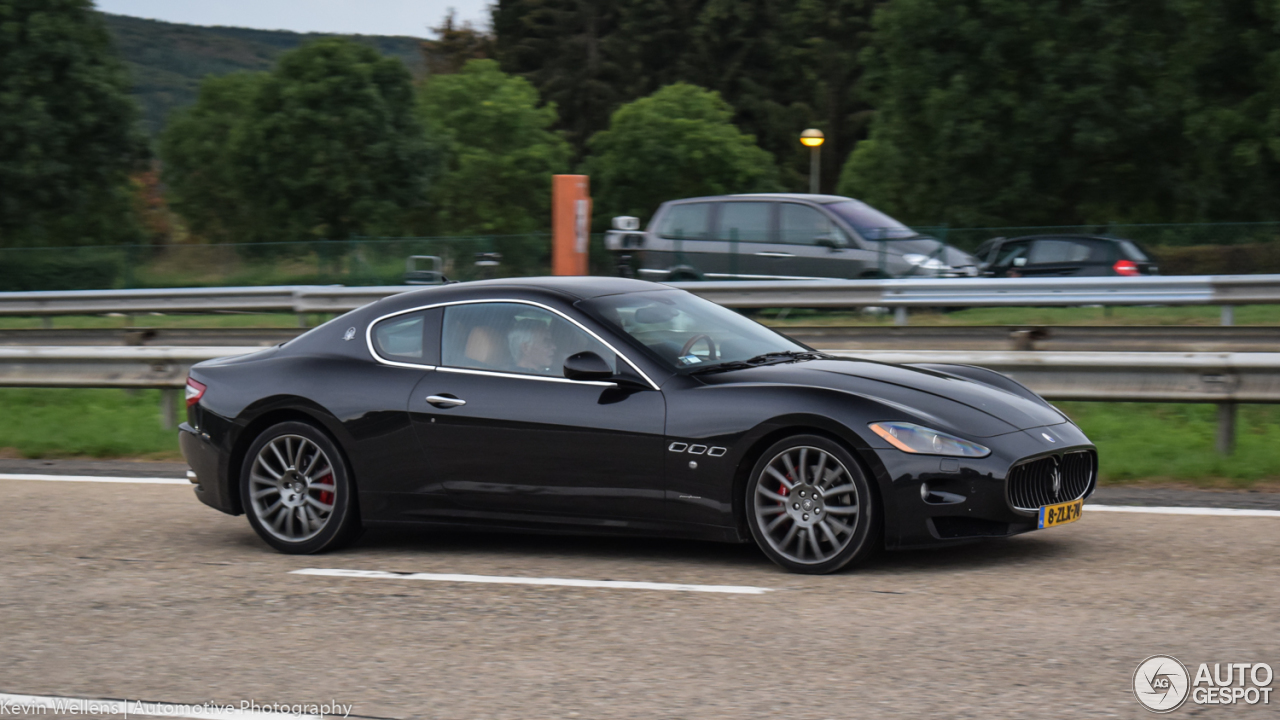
297	490
810	506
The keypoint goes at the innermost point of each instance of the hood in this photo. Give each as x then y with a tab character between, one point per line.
942	401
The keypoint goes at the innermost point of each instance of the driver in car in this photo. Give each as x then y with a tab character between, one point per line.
531	346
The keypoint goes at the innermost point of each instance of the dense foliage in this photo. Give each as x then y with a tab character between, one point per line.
167	61
499	152
67	128
678	142
326	146
1033	112
781	66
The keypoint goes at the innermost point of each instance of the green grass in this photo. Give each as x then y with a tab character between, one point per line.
1136	441
45	422
1157	441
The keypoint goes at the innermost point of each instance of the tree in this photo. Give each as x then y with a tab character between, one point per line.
455	45
200	146
68	135
678	142
499	152
1035	112
326	146
334	146
572	53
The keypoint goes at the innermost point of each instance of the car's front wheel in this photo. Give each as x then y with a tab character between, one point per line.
297	490
810	506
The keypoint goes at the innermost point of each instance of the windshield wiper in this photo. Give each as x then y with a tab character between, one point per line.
769	358
784	356
720	367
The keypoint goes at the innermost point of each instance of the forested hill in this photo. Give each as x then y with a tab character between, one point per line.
168	60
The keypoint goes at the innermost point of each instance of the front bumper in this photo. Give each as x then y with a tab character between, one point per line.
940	500
209	466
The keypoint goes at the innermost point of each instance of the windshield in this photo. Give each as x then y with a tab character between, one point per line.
685	331
870	222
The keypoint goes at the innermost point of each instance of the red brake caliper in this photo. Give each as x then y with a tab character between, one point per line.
326	497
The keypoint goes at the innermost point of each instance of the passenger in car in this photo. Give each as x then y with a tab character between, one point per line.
484	349
531	346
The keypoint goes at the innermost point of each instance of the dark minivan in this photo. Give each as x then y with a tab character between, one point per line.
780	236
1064	256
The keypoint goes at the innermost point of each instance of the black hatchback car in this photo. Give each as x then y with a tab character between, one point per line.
1064	255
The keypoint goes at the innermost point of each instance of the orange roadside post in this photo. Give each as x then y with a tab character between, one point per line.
570	224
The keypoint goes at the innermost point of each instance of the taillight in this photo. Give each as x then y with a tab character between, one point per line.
1126	267
195	391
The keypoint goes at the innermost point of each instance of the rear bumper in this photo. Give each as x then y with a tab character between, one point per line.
940	501
209	466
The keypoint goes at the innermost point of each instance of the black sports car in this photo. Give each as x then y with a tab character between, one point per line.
607	405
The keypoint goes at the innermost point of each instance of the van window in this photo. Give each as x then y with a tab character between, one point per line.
803	225
688	221
746	221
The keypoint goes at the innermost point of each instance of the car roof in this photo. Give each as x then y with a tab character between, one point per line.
1064	236
573	288
821	199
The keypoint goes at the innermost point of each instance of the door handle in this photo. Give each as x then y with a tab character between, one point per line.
445	401
774	254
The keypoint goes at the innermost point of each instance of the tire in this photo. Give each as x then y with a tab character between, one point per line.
828	518
298	472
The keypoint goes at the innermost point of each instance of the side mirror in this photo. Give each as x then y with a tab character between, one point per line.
828	241
587	365
626	222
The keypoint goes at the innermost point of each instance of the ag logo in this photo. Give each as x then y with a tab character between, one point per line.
1161	683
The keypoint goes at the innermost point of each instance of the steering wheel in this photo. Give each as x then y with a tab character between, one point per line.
713	353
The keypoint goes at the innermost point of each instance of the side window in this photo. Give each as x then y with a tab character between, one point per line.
690	221
803	225
1012	255
746	221
401	338
513	338
1045	252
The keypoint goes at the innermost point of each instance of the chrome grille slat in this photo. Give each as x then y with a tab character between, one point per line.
1030	483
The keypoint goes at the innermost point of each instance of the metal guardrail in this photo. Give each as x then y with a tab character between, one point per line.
971	338
1226	290
1222	378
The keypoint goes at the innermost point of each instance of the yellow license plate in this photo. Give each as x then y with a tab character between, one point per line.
1060	514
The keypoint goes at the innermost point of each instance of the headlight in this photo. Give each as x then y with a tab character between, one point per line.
921	440
926	262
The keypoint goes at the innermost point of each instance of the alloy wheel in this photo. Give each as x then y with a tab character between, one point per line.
292	488
806	505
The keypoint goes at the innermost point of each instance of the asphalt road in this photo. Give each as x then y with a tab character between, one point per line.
138	591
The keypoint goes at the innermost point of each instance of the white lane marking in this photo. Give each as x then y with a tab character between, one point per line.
612	584
94	478
1228	512
61	705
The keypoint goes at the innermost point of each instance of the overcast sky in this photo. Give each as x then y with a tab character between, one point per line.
364	17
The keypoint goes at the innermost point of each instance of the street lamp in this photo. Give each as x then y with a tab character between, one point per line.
812	139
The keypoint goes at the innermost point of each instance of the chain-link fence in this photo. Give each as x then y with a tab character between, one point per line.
1219	248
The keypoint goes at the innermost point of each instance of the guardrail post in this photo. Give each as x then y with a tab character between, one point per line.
1228	315
1226	428
168	408
900	315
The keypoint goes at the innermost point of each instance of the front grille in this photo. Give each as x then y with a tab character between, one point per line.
1031	484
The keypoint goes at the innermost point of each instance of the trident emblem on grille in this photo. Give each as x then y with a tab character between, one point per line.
1057	480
